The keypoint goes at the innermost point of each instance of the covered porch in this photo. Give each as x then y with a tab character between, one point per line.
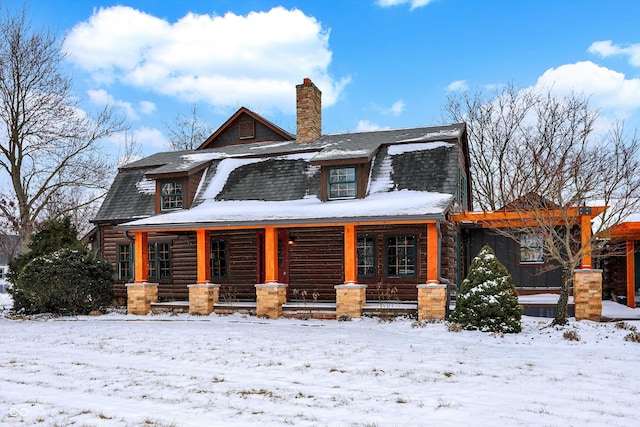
303	269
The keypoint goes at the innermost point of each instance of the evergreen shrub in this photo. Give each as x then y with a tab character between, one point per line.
487	300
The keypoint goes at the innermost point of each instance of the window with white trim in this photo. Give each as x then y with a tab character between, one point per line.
531	248
342	183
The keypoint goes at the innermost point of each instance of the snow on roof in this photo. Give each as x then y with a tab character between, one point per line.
397	149
396	203
146	186
341	153
429	136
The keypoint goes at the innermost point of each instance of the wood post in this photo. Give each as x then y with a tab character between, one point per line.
203	257
141	257
585	234
433	254
350	255
270	255
631	274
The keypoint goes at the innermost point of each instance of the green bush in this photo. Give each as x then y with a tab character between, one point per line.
68	281
487	300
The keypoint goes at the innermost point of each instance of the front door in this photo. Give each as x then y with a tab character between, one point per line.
283	256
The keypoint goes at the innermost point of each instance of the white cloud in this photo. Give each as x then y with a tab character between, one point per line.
457	86
606	48
150	137
102	97
607	89
395	110
414	3
223	60
367	126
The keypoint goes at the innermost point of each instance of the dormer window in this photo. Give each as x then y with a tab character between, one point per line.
342	183
171	195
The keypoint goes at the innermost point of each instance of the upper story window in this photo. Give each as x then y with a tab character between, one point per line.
342	183
531	248
171	195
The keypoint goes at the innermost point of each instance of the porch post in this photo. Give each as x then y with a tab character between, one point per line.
585	231
432	296
631	275
203	263
270	295
141	257
203	295
141	293
350	297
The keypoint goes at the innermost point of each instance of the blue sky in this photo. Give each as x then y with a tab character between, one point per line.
379	63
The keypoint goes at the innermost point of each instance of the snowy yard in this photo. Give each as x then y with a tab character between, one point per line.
123	370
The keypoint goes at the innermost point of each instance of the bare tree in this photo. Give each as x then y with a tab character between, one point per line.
48	146
187	132
543	159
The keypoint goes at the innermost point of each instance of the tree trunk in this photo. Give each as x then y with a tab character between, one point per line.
562	309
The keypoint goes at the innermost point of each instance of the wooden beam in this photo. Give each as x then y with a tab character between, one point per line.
141	256
433	254
203	257
270	255
631	274
350	255
585	232
498	219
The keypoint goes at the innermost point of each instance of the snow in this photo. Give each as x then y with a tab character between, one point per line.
181	370
396	149
146	186
403	202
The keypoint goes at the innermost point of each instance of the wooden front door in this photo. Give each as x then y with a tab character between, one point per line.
283	256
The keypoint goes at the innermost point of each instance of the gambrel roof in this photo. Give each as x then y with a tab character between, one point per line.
413	173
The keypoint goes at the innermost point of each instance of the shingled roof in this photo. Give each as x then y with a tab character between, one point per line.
414	173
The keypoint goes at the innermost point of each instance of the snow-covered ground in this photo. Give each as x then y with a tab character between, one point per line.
123	370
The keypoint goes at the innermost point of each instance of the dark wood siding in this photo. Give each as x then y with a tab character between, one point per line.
530	276
239	285
232	134
316	260
381	288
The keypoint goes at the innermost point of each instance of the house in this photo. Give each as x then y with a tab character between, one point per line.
9	246
258	215
262	219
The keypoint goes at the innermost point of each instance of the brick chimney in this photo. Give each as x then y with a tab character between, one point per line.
308	112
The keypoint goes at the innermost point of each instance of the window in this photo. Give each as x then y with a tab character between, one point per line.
401	256
218	259
531	248
159	261
1	272
171	195
342	183
125	262
246	130
366	257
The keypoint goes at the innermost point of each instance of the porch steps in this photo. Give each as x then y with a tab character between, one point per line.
173	307
231	307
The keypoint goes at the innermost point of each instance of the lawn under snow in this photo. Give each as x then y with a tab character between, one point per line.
124	370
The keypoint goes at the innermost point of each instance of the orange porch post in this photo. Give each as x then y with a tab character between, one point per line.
203	257
350	255
433	255
631	274
585	231
141	257
270	255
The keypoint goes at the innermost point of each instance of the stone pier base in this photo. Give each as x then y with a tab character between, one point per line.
269	299
140	296
202	298
587	294
432	301
350	299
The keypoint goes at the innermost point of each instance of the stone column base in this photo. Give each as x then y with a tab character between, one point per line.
350	299
140	296
432	301
587	294
202	298
269	299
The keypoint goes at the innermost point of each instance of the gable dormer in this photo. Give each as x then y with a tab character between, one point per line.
245	127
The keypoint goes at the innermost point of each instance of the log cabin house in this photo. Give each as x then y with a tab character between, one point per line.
258	216
261	220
